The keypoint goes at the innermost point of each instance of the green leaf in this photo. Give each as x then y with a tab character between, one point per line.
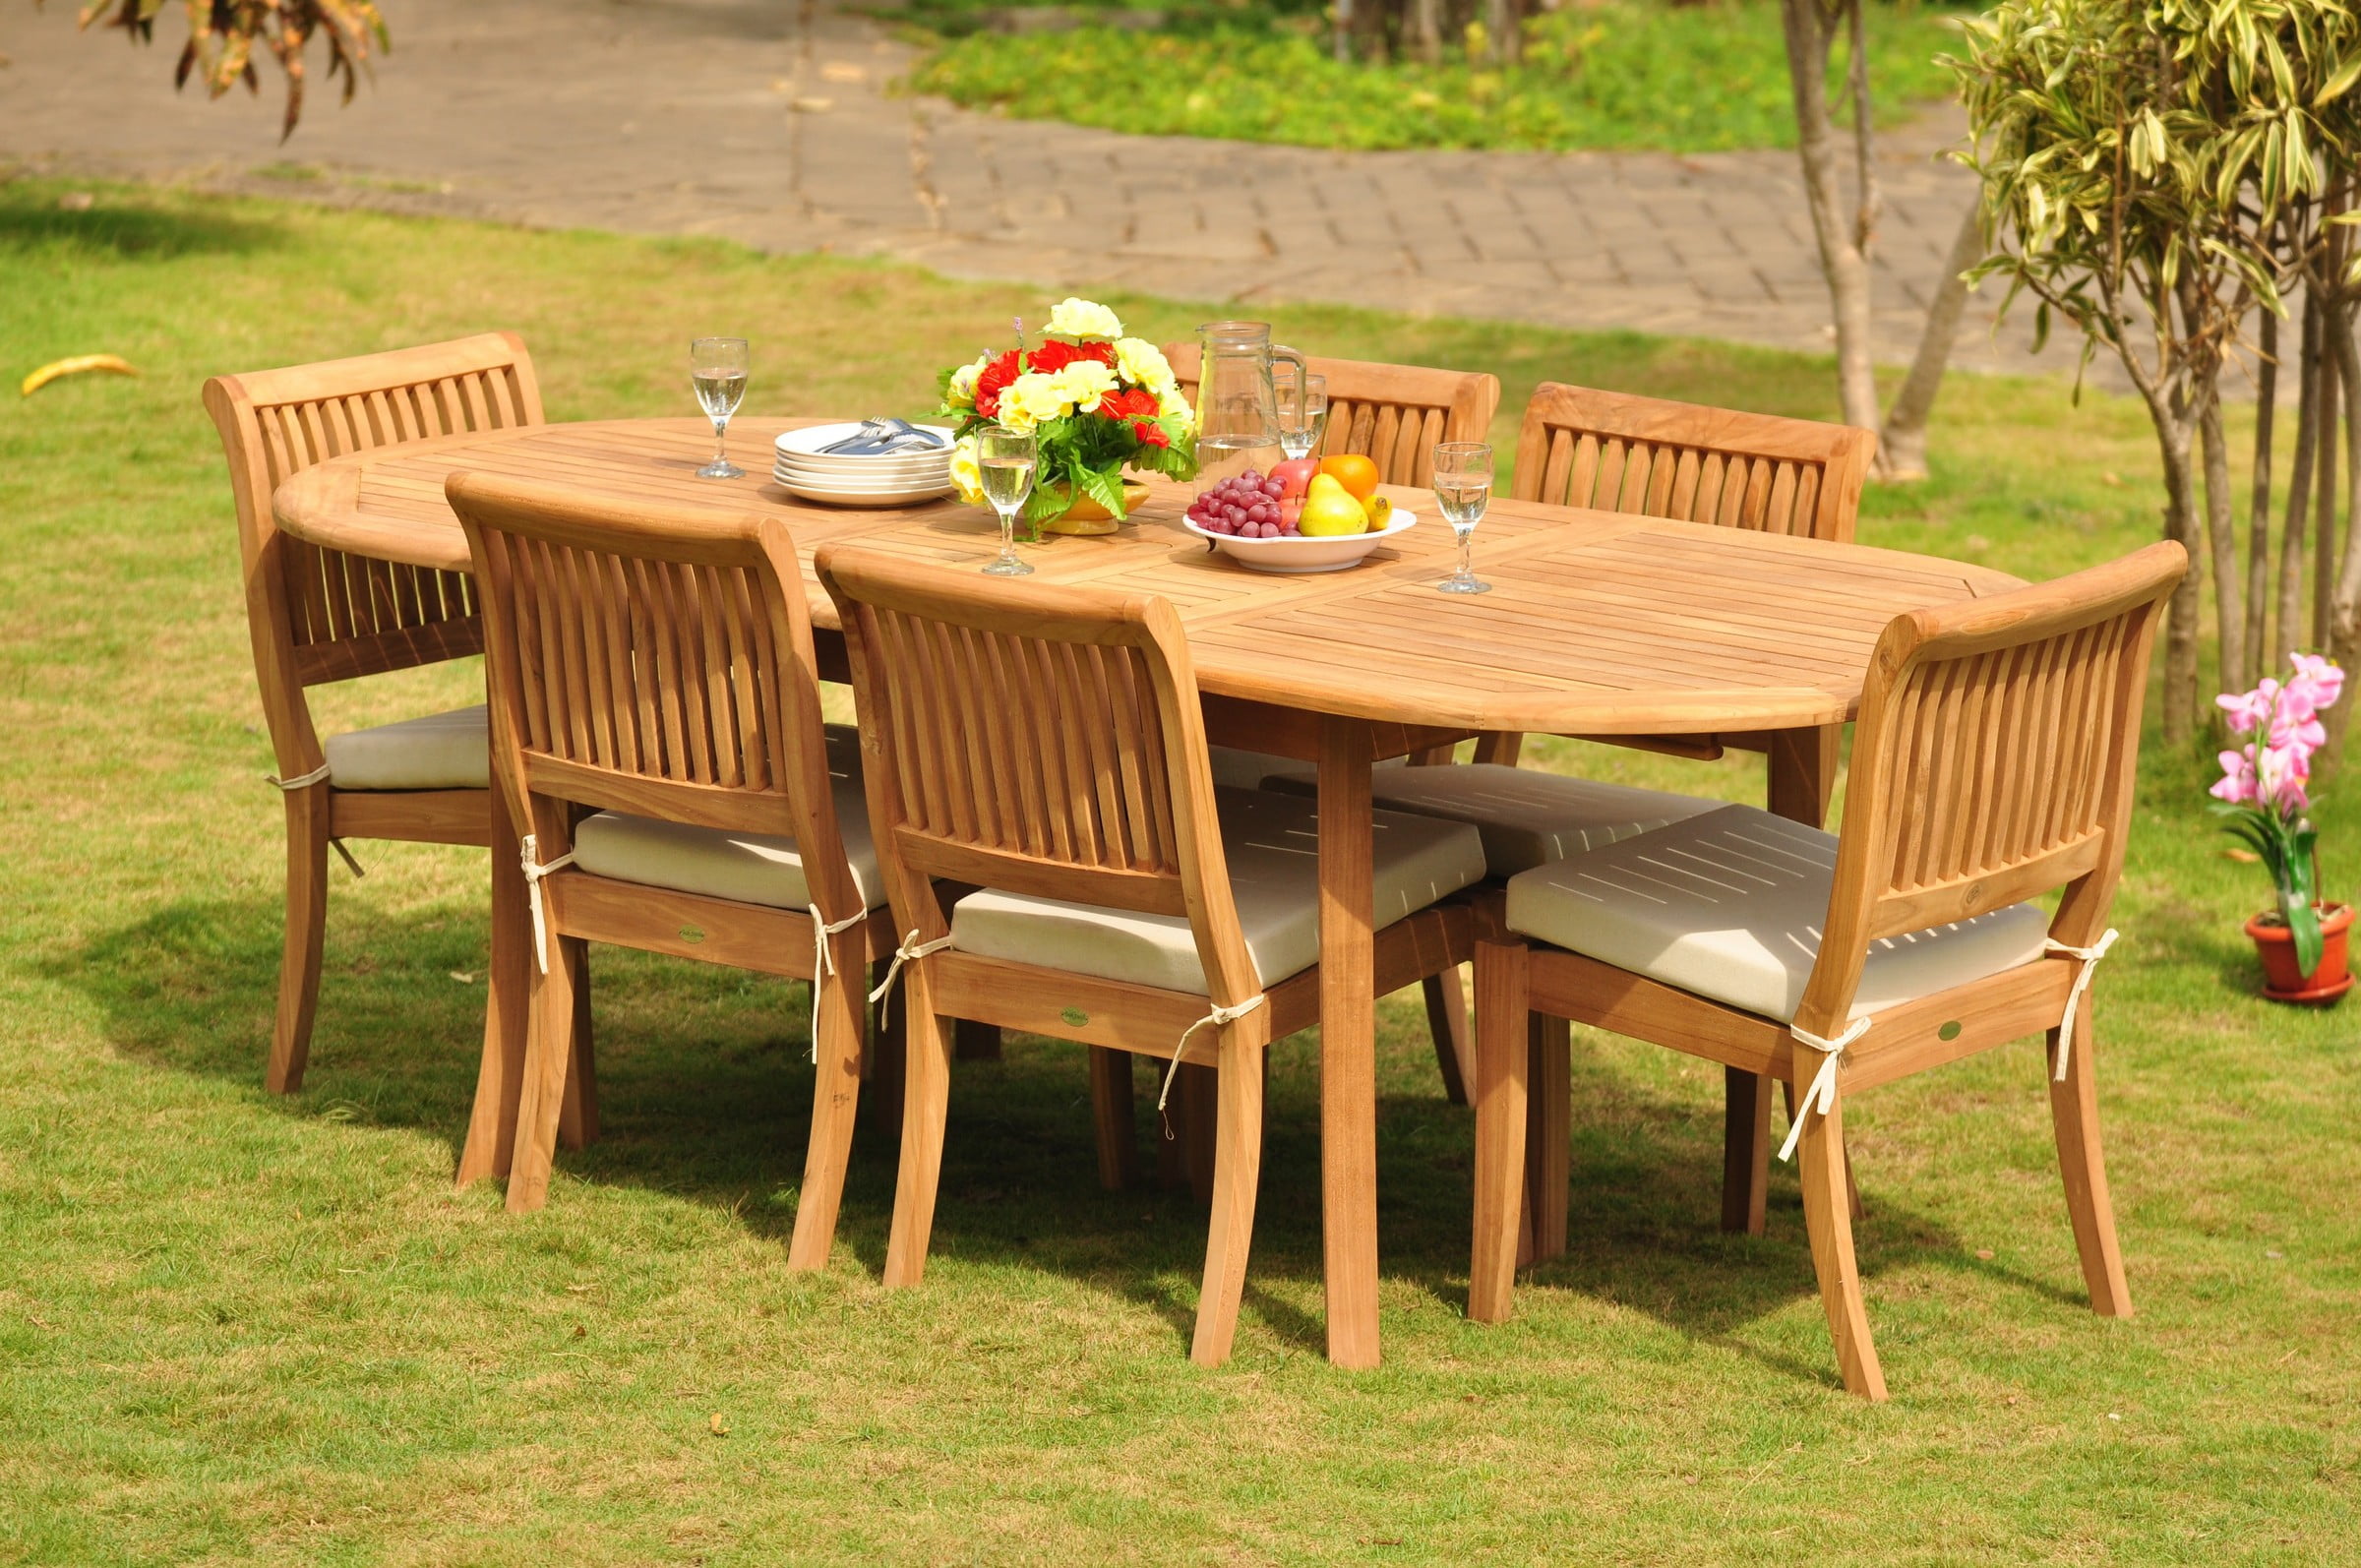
1105	487
2303	924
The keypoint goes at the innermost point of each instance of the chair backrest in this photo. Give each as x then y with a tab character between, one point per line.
650	659
1392	414
320	615
1994	760
1616	452
1043	741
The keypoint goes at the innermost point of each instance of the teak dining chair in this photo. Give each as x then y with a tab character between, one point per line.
1618	453
1045	745
1995	761
1394	415
318	614
656	730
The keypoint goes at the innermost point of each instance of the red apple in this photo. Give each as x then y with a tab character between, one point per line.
1294	476
1291	511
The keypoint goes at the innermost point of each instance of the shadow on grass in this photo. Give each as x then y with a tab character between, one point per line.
705	1090
122	223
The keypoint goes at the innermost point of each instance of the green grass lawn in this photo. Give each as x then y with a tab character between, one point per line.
234	1328
1621	74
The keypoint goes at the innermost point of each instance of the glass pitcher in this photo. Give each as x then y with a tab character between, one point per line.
1238	404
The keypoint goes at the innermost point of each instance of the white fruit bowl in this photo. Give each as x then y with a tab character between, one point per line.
1298	552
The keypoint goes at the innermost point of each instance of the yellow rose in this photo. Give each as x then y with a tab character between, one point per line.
967	474
1083	382
1143	365
961	392
1171	404
1080	318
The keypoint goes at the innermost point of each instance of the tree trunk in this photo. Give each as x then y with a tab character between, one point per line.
2258	525
1502	21
1344	31
1427	28
2324	508
1843	252
1902	448
2344	638
2221	536
2290	619
2175	431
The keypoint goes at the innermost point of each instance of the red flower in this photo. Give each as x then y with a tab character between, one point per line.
1053	356
1135	403
1150	434
994	381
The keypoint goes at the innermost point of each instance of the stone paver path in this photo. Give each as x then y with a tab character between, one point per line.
768	122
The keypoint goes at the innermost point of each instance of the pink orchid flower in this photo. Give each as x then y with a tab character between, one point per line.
2237	782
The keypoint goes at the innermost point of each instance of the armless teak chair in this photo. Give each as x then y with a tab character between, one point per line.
1995	761
1395	415
656	731
318	614
1045	745
1616	452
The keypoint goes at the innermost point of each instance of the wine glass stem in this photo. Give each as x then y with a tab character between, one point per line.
1007	535
1467	538
721	441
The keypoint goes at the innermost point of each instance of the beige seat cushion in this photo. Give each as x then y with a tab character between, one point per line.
1271	842
439	752
749	867
1729	906
1528	817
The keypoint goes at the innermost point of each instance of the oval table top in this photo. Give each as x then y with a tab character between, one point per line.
1598	623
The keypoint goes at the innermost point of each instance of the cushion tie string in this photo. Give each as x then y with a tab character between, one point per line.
529	856
2089	956
1821	1096
317	776
910	951
825	962
314	776
1212	1020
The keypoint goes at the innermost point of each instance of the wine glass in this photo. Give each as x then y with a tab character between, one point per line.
1304	420
1463	487
1005	458
717	370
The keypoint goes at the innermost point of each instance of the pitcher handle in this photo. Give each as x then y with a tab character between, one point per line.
1303	379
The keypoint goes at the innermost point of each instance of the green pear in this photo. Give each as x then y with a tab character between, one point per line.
1330	510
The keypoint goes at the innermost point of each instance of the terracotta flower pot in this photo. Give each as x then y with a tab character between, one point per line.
2281	980
1088	516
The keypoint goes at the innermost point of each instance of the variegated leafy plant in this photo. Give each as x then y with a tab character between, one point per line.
225	36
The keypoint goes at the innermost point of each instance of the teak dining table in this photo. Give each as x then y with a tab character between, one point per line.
1598	623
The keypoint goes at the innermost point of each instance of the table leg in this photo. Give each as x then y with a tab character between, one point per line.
1348	1045
500	1078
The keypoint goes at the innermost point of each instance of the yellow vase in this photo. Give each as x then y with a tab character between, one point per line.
1086	516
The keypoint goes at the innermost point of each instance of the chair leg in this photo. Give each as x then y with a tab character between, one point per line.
1447	1023
2074	1111
1827	1220
835	1100
548	1062
925	1103
1745	1150
1237	1175
577	1118
1199	1092
1548	1134
1112	1118
1503	1058
306	936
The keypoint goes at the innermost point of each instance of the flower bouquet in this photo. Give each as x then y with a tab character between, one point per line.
2264	799
1095	401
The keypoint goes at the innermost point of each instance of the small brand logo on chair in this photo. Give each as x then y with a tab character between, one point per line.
1950	1031
689	934
1075	1016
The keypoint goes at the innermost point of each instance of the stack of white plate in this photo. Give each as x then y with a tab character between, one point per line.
884	479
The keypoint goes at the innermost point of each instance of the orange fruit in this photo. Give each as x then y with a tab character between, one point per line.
1355	472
